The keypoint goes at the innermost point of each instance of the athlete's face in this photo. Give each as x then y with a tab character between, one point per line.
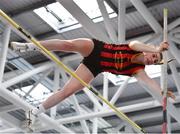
151	58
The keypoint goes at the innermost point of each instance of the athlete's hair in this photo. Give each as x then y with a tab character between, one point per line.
162	61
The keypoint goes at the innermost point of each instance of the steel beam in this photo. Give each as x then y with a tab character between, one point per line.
174	24
101	123
25	106
174	39
11	120
169	123
105	87
109	2
95	123
87	23
31	7
53	110
175	75
8	108
26	75
119	91
142	9
121	21
174	51
107	22
172	110
11	131
4	50
109	112
157	129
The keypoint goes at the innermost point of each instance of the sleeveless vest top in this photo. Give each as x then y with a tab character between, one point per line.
116	59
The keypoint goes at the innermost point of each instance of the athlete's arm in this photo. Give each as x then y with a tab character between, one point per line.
142	77
142	47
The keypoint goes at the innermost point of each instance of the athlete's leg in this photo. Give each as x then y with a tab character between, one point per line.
72	86
81	45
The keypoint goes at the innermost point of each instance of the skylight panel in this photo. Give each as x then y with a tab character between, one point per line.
23	90
61	20
18	91
108	8
40	92
56	16
153	70
91	8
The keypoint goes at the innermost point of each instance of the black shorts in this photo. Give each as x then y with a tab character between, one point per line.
92	62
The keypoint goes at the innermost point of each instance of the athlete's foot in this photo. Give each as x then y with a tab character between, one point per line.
23	47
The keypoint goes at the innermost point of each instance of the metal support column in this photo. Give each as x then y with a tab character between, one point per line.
139	5
107	21
105	87
55	88
121	21
4	50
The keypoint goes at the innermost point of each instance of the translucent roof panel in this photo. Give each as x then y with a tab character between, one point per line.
60	19
40	93
56	16
36	95
91	8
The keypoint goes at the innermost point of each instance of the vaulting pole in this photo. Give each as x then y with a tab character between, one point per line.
56	60
164	75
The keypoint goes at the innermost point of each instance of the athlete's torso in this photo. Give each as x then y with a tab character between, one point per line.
116	59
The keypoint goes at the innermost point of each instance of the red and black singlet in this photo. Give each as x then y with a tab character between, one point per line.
117	59
112	58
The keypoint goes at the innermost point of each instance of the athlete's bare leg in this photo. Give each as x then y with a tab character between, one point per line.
72	86
84	47
81	45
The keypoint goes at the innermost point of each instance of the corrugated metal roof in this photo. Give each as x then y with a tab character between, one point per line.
19	114
12	5
172	6
4	102
32	23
